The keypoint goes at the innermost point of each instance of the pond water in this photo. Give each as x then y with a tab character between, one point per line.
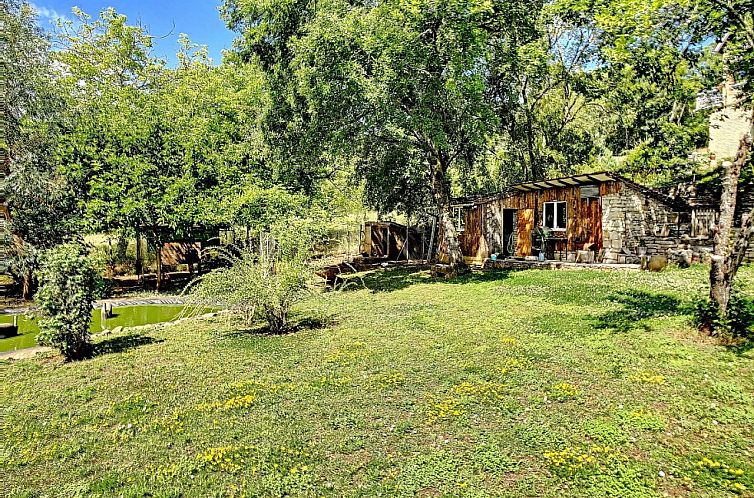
126	316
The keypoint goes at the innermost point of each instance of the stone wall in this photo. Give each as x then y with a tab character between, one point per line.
634	223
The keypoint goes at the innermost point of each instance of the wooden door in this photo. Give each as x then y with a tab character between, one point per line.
525	227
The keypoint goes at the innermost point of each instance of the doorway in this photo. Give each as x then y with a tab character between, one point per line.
509	245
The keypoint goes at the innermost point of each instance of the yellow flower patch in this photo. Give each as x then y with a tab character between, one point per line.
721	474
260	387
510	365
388	379
572	460
486	391
172	424
333	381
162	472
648	378
564	390
445	409
225	458
234	403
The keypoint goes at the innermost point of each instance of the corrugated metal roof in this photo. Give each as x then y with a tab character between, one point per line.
573	181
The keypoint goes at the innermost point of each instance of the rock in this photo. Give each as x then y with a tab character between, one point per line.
207	316
118	329
584	257
655	263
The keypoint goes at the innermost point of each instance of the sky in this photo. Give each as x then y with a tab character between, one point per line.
165	19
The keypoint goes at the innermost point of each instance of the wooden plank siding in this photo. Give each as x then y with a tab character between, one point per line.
584	221
472	240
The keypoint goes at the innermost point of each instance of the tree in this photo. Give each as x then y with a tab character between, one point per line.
43	210
399	88
68	283
665	44
152	150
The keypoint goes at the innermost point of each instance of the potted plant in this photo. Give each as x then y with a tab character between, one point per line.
542	233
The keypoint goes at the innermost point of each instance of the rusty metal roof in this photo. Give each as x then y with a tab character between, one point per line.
574	181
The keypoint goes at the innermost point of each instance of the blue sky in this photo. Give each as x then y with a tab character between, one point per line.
165	19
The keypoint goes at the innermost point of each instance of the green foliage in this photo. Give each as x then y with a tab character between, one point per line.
44	210
737	322
260	209
256	287
267	282
68	283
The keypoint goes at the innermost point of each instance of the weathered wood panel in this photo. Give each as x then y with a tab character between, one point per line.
525	226
388	240
472	240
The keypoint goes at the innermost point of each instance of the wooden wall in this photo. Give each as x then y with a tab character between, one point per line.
472	239
584	220
378	236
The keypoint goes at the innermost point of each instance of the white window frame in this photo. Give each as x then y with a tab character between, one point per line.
555	217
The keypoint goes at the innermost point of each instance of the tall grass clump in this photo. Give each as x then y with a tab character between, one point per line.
265	283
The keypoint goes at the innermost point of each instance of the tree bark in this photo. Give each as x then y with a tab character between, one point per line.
27	283
158	254
727	254
138	266
441	193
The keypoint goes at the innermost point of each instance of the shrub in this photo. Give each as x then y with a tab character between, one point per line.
260	285
68	280
738	321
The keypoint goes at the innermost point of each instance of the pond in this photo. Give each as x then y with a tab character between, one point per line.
126	316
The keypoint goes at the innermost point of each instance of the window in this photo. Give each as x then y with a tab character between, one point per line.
555	215
459	216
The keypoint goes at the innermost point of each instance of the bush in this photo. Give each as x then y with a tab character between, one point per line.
736	324
68	280
258	286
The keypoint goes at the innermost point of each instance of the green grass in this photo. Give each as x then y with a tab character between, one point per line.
534	383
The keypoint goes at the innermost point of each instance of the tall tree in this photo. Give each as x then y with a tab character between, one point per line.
151	149
43	210
398	88
660	45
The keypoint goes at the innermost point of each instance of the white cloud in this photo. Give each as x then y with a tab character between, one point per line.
50	14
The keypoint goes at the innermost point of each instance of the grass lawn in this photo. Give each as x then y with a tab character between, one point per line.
532	383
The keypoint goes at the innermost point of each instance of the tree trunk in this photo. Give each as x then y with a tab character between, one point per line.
441	193
27	283
138	266
727	255
158	253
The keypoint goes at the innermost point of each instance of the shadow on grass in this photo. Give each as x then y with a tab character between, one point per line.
123	343
638	306
394	279
296	325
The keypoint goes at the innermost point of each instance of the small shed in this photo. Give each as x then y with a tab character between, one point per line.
391	241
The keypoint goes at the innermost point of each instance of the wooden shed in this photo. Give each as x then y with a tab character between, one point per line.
387	240
610	217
